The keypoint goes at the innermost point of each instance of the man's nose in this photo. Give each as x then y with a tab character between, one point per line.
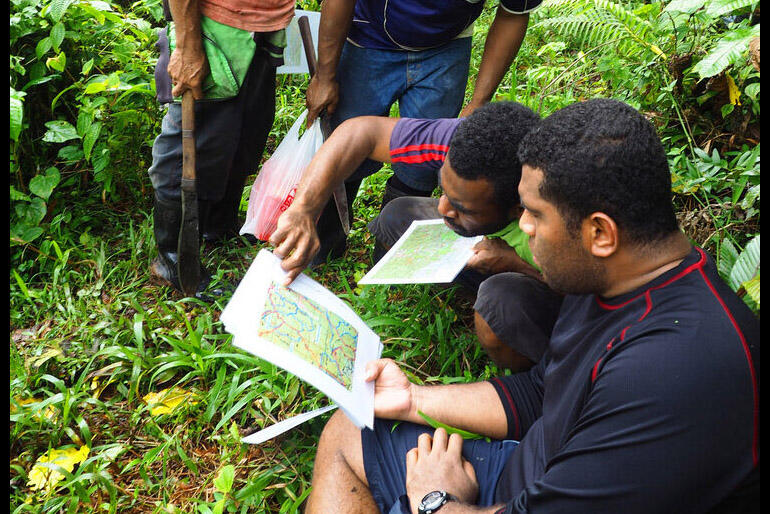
525	223
445	208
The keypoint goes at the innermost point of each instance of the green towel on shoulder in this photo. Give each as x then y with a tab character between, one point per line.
229	52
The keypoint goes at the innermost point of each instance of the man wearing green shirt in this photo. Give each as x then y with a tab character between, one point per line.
479	172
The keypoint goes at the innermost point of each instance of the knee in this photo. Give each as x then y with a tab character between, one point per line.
338	433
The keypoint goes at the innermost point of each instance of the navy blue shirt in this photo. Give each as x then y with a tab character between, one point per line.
419	24
647	402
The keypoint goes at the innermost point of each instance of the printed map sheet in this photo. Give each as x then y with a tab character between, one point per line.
306	330
429	252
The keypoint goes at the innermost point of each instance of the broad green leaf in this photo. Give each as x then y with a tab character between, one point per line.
59	131
225	478
752	90
747	265
22	233
92	134
87	67
686	6
450	430
57	63
16	113
17	195
57	8
752	289
727	51
32	212
728	254
57	36
42	47
718	8
43	185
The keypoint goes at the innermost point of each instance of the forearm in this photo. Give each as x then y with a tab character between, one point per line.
504	39
349	145
336	17
473	407
187	23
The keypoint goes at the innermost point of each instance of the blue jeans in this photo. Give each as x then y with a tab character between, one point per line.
427	84
384	451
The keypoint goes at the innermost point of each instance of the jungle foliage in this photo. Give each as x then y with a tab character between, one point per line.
135	396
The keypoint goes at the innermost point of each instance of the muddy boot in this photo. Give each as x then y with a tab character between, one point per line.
167	218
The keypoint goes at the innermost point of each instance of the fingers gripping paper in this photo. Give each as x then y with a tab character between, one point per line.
308	331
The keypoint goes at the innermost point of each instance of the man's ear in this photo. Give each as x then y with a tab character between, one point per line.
601	234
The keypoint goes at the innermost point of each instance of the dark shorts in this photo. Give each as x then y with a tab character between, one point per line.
520	310
385	451
230	136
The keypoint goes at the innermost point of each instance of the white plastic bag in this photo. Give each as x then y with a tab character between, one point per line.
275	186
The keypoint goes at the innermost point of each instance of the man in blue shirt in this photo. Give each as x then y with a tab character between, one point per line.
647	399
417	52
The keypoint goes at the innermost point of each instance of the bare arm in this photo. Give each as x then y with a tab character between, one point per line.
474	407
295	239
187	64
504	39
323	90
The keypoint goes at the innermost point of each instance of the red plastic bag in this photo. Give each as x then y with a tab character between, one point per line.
275	186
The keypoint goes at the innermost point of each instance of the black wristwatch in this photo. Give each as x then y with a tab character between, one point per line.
433	501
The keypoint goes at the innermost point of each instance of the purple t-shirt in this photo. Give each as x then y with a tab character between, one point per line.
422	143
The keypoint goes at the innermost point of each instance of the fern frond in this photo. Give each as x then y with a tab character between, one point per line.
596	22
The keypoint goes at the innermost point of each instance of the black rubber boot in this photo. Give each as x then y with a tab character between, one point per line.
167	218
330	232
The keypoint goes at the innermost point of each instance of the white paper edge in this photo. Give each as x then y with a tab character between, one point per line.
448	275
241	316
282	426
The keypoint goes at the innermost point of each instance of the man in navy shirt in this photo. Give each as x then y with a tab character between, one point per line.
647	399
417	52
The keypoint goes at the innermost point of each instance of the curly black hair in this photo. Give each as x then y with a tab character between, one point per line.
486	143
602	155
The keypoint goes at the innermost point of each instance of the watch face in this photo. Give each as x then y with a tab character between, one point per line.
433	500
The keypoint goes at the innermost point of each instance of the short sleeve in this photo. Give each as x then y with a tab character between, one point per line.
520	6
422	142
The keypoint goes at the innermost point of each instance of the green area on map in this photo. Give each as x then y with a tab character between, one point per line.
311	332
427	250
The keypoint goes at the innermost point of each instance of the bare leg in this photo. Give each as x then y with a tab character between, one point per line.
339	479
502	354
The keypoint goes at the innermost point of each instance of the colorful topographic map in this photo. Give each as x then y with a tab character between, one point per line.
311	332
423	256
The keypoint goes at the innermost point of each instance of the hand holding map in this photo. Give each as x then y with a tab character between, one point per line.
306	330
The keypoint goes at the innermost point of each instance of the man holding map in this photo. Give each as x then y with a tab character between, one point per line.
479	172
648	397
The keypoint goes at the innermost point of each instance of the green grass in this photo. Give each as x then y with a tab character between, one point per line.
91	335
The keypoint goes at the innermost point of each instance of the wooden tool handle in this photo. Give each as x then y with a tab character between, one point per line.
188	135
